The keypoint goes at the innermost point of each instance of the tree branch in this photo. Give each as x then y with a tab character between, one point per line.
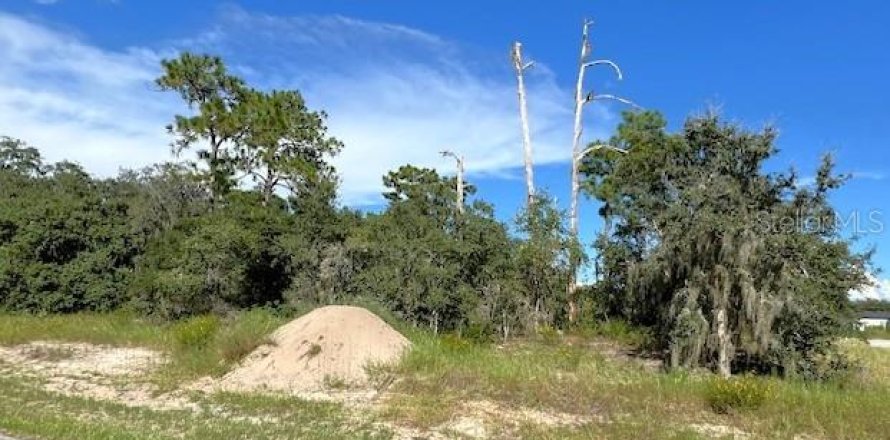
609	63
592	97
593	148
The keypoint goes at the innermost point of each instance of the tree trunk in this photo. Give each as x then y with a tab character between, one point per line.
523	118
212	166
723	344
576	163
604	234
268	187
505	328
460	185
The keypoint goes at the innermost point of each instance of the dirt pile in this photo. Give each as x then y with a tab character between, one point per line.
330	345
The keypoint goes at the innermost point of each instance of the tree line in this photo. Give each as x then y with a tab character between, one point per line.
249	218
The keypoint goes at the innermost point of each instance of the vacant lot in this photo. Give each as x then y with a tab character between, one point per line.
117	377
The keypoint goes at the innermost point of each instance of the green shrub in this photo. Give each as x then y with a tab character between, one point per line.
195	332
478	334
216	263
454	342
549	335
737	393
241	336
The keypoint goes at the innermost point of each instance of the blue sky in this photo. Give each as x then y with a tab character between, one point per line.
404	79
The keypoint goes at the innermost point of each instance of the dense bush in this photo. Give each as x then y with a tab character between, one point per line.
67	243
436	267
698	246
231	258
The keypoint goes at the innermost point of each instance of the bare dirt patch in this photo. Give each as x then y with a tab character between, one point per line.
94	371
719	431
77	359
520	415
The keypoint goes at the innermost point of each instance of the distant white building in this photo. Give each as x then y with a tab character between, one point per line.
873	319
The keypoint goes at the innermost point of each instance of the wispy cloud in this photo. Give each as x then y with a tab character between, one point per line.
877	289
868	175
856	175
79	102
398	95
395	94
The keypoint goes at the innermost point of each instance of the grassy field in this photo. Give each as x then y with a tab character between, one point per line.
876	333
578	386
616	399
26	410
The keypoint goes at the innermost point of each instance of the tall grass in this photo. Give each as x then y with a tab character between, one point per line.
624	400
118	329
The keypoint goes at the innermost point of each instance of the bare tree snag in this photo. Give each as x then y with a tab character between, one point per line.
578	154
460	178
520	68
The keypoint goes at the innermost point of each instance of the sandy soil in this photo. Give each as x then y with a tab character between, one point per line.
332	344
879	343
329	344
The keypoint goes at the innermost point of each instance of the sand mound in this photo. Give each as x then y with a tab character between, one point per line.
331	344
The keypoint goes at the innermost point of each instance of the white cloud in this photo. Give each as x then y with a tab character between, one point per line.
855	175
877	289
868	175
395	95
78	102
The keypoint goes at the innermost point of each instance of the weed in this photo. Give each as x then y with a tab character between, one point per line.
618	331
737	393
245	332
454	342
337	383
314	350
49	353
549	335
196	332
380	376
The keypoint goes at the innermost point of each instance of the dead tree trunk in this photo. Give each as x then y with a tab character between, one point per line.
460	179
578	154
520	68
580	100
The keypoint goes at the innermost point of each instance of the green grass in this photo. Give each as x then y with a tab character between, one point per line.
625	401
617	331
615	398
31	412
118	329
876	333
